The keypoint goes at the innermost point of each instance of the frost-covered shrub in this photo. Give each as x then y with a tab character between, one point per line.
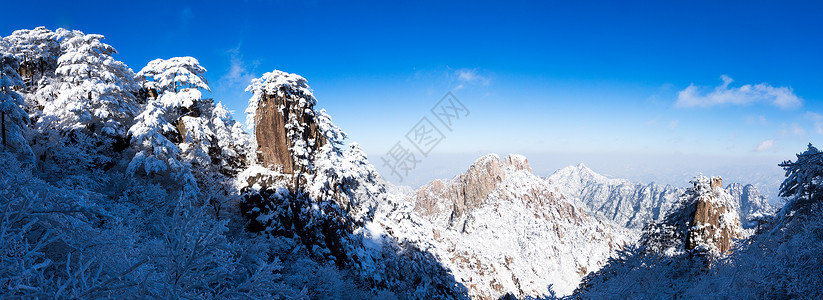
62	244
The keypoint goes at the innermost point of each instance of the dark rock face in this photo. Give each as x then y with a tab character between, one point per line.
284	213
273	140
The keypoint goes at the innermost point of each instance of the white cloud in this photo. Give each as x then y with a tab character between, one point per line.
764	145
673	124
469	76
752	120
818	121
796	129
239	73
694	96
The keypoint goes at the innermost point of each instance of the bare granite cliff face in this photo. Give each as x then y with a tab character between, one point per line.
277	110
285	128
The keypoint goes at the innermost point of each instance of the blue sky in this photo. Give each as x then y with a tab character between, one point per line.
607	84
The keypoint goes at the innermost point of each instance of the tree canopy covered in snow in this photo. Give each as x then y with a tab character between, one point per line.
804	177
174	74
95	91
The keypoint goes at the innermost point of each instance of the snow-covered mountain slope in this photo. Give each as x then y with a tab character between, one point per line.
504	230
634	205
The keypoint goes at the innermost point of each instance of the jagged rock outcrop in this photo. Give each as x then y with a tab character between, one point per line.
468	192
506	231
518	162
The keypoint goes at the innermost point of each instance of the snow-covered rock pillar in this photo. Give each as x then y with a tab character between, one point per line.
285	129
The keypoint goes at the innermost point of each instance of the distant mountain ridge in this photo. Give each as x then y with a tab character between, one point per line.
633	205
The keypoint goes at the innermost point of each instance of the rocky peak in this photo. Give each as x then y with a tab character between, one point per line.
703	221
466	191
517	162
579	174
716	182
283	115
469	190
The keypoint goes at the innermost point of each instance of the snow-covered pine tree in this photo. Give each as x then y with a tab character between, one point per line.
13	118
96	91
203	134
174	74
159	132
177	82
804	178
156	153
85	125
231	141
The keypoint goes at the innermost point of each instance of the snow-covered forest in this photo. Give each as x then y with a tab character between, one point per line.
124	184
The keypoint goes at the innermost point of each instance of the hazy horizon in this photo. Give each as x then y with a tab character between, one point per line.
543	79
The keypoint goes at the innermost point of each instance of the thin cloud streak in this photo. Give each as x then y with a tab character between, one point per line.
694	96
